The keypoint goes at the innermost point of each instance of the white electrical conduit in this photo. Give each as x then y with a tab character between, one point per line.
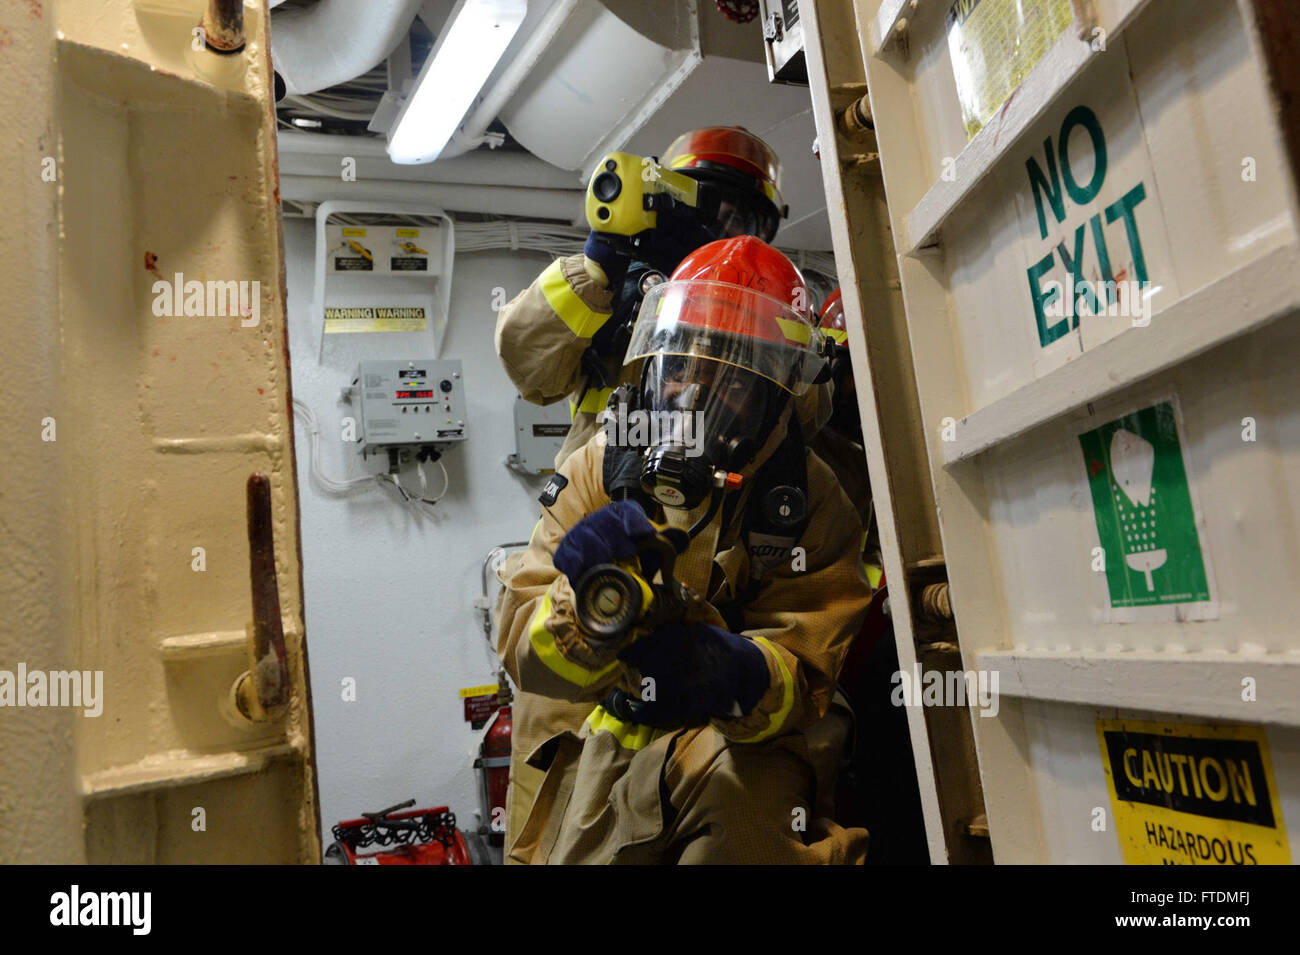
332	485
331	43
316	106
419	503
551	239
320	154
562	204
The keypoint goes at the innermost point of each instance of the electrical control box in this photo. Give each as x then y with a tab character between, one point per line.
783	42
539	434
410	403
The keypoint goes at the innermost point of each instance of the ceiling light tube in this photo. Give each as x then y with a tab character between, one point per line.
468	49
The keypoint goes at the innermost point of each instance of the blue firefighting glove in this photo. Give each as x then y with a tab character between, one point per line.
601	249
602	537
700	672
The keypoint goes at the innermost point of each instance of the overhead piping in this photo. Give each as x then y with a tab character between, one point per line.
223	26
560	204
319	154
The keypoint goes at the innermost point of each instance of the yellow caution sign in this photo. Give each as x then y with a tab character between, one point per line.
1186	794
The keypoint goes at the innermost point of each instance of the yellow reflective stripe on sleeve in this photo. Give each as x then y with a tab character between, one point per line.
593	402
874	574
543	642
629	735
567	304
534	533
787	699
840	336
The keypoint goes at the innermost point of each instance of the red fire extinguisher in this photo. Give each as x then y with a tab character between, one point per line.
493	764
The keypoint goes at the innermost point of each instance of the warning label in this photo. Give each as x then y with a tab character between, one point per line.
480	703
551	430
407	263
375	318
1192	795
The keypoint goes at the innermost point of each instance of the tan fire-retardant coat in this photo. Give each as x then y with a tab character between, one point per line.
540	337
739	790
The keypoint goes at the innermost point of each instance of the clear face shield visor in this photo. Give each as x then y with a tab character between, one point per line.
702	405
720	361
735	218
741	327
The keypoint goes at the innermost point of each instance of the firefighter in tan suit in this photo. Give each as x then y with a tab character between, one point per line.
556	340
694	750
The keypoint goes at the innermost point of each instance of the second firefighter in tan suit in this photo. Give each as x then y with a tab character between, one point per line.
712	765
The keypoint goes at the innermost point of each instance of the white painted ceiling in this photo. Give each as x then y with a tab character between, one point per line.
722	90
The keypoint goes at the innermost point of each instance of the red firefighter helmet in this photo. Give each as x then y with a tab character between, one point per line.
831	319
737	301
742	165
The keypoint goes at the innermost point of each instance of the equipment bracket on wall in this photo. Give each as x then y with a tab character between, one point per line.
426	291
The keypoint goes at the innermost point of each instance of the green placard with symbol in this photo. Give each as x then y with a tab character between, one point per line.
1142	501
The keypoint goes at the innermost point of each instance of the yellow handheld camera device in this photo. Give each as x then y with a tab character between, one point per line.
627	192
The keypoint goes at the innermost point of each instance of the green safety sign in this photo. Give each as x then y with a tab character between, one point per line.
1142	501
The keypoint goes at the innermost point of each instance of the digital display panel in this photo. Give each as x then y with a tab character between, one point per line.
415	394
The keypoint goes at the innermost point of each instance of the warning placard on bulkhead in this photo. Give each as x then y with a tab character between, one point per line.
375	318
1190	794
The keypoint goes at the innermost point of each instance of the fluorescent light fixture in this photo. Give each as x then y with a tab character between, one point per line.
468	50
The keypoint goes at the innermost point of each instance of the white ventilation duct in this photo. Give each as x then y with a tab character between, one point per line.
330	43
608	69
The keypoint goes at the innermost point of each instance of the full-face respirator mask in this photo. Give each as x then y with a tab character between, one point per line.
726	344
707	420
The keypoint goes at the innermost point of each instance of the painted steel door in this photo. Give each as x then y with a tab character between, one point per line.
149	331
1094	208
